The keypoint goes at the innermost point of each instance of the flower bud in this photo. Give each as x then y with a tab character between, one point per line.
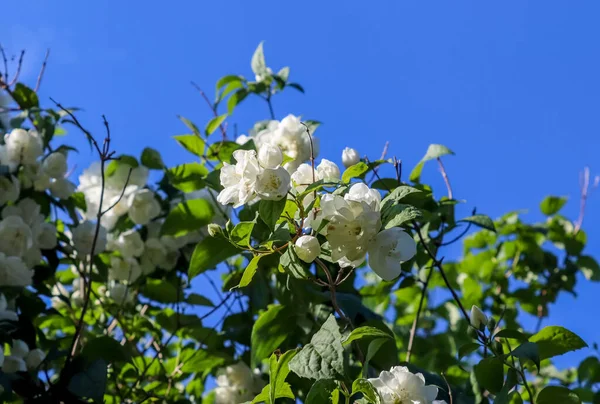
328	171
270	156
215	230
35	358
307	248
55	165
350	157
478	319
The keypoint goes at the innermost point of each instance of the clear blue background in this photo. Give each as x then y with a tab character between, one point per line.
512	87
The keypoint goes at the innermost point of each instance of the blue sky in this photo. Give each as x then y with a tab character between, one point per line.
512	87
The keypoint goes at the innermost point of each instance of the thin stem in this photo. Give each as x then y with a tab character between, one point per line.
413	329
212	108
18	72
270	104
585	185
42	70
445	176
438	264
331	285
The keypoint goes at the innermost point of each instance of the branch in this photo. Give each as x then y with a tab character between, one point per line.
445	176
585	185
18	72
413	329
42	70
212	108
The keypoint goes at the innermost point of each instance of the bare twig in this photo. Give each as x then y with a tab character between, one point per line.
212	108
5	59
122	193
445	176
18	72
42	70
585	185
383	153
449	388
331	286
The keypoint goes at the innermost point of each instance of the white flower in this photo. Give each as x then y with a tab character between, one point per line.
32	257
154	254
27	209
399	385
303	177
350	157
23	147
129	244
143	207
6	315
55	165
120	293
13	364
19	348
273	184
62	188
45	235
242	139
124	269
238	180
353	223
9	189
138	177
270	156
362	193
307	248
35	358
83	238
15	236
236	384
390	248
328	171
478	318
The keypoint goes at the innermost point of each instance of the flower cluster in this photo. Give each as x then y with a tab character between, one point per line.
254	176
237	384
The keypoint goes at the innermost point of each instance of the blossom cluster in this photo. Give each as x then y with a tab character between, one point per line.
351	222
237	383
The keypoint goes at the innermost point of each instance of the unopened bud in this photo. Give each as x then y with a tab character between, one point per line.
215	230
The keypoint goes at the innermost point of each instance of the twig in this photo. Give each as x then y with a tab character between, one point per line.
331	285
413	329
122	193
212	108
42	70
383	153
18	72
5	59
449	388
268	99
585	185
438	264
445	176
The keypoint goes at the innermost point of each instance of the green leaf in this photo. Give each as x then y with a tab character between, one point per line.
435	151
213	124
192	126
554	340
398	215
514	334
198	300
270	330
296	86
241	233
490	374
203	361
257	63
528	350
188	177
366	388
191	143
235	99
366	332
467	349
415	174
482	221
552	204
374	347
277	387
151	158
590	268
208	253
90	383
292	264
227	80
232	86
323	357
354	171
25	97
321	391
161	291
397	195
187	216
250	271
270	211
557	394
105	348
